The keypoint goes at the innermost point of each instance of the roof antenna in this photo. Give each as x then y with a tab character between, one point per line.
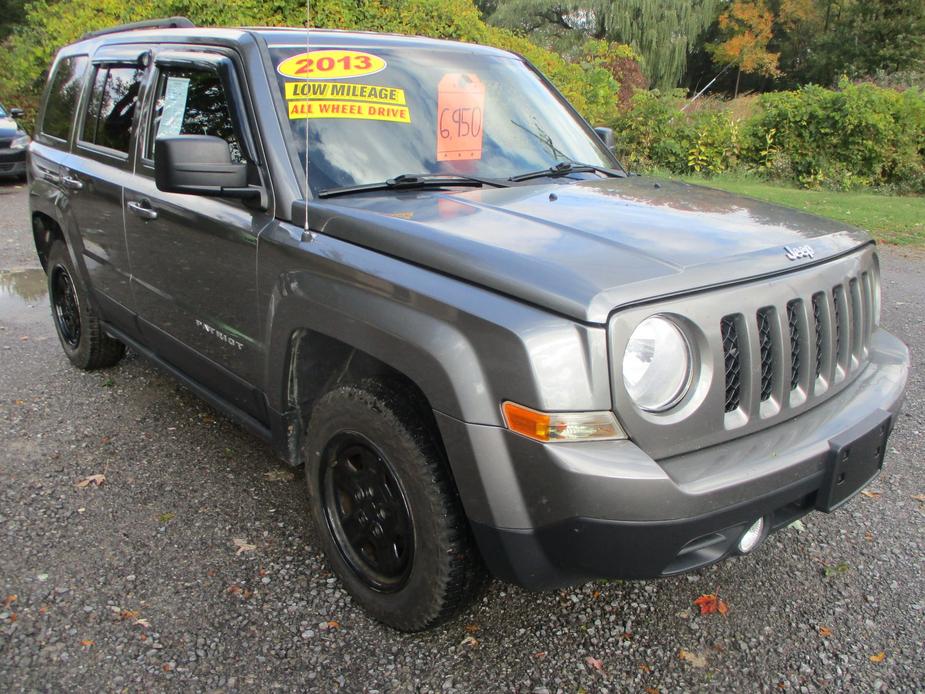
308	23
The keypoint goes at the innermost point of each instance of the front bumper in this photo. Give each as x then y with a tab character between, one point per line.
12	162
545	516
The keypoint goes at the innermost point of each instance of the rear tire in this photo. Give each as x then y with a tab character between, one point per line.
79	328
386	510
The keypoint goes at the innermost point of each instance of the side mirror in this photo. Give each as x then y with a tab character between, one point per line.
17	113
199	165
606	135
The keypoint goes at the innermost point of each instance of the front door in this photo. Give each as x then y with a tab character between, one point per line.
194	258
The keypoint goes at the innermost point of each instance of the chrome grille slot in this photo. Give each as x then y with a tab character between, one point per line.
794	308
765	344
732	354
857	320
819	329
840	335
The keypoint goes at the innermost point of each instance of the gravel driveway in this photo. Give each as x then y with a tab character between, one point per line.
192	567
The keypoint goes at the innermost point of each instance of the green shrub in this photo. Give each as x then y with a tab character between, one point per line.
857	136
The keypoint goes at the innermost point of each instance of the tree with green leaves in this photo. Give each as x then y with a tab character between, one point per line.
663	32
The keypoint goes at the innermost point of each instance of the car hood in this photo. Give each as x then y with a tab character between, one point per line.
8	127
584	248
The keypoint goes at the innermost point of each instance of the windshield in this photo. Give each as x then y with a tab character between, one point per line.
373	114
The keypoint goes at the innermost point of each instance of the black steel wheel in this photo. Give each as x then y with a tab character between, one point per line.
64	306
367	512
385	507
79	329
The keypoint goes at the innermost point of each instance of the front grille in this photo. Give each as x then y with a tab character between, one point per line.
731	356
764	350
5	142
840	321
766	346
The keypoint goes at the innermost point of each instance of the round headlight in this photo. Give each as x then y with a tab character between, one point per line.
657	364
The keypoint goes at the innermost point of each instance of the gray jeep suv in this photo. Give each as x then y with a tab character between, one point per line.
411	267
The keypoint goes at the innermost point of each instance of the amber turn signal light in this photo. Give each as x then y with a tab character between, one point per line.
551	427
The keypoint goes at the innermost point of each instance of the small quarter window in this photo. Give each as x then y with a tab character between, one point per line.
192	102
111	107
63	95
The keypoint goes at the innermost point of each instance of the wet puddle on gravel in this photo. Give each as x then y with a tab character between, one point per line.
21	291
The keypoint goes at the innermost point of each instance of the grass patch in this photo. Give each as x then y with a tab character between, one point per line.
889	218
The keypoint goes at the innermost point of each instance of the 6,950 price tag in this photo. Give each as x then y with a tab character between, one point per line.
460	116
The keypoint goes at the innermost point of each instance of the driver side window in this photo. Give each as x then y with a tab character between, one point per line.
192	102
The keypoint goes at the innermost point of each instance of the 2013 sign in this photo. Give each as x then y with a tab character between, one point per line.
331	65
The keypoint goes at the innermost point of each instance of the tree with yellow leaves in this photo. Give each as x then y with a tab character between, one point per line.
746	28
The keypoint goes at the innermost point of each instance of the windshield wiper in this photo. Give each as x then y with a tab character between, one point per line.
564	168
412	181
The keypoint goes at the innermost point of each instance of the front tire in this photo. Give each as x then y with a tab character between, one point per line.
386	509
79	328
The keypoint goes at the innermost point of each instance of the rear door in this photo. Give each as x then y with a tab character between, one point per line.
49	153
194	258
99	171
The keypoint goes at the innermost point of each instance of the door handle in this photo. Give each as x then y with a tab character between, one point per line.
51	177
71	183
142	209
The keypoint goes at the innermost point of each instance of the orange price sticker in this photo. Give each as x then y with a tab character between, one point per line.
460	115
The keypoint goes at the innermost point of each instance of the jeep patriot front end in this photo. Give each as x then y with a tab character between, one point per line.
414	269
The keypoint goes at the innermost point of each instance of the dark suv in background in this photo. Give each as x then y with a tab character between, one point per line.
410	266
14	142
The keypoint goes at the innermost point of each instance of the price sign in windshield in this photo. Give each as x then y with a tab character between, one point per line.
460	116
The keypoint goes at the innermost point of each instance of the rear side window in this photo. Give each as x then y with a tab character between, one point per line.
63	95
111	107
192	102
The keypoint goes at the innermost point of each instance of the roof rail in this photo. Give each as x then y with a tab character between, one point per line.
165	23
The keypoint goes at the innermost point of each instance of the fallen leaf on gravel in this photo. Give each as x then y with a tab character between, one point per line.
470	641
13	617
279	475
9	600
839	568
871	494
539	655
87	643
128	614
595	663
165	517
878	658
797	525
695	659
644	667
333	624
710	603
919	497
144	623
653	690
95	480
825	632
683	614
472	628
166	667
243	545
869	536
595	595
